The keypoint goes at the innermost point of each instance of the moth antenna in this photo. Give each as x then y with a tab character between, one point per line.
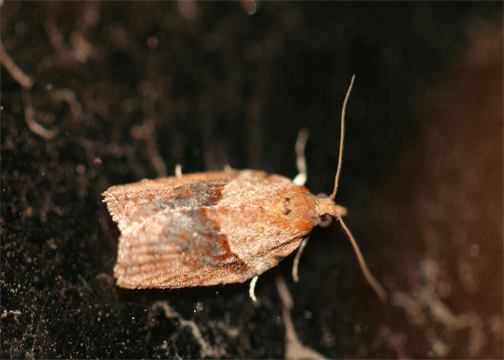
301	178
340	158
296	259
178	170
283	290
382	294
253	283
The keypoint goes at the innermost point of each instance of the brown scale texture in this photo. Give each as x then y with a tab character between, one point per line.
207	228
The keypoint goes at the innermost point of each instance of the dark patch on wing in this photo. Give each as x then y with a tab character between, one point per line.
201	243
286	210
205	193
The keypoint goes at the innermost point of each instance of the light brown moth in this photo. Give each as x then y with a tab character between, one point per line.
217	227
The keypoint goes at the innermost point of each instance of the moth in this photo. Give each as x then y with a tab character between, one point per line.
218	227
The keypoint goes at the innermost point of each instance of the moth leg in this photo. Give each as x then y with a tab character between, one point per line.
301	178
228	170
253	283
178	170
294	348
298	256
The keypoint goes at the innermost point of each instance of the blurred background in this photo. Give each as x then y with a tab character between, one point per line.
95	94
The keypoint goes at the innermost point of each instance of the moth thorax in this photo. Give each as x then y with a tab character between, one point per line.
327	206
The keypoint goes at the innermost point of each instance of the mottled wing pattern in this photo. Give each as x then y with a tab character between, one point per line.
166	239
125	201
204	229
176	248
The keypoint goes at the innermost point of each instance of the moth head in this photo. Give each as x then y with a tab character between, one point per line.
327	209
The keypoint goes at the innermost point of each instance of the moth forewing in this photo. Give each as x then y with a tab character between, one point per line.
223	230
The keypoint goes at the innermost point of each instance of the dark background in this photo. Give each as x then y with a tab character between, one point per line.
130	86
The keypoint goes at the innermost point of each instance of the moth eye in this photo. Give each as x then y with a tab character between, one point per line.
325	220
287	211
